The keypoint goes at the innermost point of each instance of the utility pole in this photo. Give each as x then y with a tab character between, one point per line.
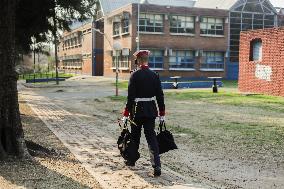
34	64
117	48
116	73
34	42
93	47
55	43
138	29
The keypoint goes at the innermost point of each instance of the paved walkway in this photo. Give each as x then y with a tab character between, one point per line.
98	151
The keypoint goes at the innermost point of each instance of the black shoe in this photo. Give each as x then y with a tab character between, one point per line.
129	163
157	171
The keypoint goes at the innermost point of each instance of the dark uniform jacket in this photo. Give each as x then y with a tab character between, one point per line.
144	83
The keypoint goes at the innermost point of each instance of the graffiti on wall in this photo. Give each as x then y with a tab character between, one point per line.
263	72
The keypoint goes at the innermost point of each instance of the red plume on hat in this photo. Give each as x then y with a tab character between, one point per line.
142	53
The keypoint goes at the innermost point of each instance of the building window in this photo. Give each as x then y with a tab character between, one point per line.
125	27
116	28
211	26
156	59
256	50
80	40
124	63
213	60
72	42
248	15
68	43
72	64
182	24
151	23
182	59
115	60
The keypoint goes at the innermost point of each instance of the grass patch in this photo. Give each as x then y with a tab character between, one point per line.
44	75
230	98
122	84
230	83
183	130
118	98
250	134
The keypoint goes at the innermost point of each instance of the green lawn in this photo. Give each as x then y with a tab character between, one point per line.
224	97
122	84
117	98
231	98
230	83
254	130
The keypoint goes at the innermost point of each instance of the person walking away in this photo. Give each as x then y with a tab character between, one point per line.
143	89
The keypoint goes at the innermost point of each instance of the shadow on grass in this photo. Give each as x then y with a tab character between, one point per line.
29	173
48	156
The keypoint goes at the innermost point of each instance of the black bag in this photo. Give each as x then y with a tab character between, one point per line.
126	146
165	139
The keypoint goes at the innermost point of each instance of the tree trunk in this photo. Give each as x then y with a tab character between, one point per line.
11	132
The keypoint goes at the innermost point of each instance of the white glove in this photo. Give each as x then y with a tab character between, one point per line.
124	119
162	118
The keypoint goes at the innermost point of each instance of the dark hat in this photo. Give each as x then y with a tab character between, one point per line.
141	53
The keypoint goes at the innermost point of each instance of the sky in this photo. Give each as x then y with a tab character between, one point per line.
278	3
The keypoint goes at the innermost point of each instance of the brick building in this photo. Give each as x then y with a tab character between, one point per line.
75	51
262	61
193	39
187	50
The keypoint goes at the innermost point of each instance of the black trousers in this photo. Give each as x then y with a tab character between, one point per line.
150	134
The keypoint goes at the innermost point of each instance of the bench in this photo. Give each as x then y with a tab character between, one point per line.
175	78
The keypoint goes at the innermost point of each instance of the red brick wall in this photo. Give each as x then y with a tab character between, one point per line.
166	40
84	49
87	67
272	56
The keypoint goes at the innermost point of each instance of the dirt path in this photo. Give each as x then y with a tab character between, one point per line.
97	150
51	166
223	146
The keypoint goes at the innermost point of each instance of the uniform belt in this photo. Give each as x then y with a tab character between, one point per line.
145	99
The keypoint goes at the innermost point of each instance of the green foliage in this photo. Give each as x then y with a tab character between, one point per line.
36	18
32	20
